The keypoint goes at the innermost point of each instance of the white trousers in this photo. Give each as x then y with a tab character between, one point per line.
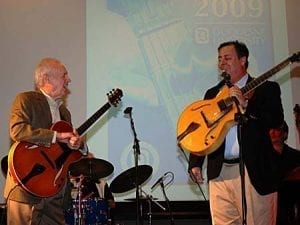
226	200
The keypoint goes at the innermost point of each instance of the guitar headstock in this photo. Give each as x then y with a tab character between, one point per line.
295	57
114	96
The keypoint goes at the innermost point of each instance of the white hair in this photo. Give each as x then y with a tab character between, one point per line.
46	66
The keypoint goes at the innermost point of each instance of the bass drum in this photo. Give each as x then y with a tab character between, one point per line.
94	211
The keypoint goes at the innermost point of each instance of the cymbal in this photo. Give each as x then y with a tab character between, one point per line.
92	168
4	165
127	179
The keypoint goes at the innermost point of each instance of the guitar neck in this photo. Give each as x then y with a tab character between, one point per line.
261	79
90	121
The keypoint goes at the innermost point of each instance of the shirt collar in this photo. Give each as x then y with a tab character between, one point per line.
242	82
52	101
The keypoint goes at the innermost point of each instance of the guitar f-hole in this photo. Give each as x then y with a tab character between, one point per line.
48	159
36	170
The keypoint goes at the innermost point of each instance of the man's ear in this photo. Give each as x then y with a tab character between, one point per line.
243	60
45	78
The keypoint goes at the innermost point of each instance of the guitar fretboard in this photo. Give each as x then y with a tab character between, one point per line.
261	79
90	121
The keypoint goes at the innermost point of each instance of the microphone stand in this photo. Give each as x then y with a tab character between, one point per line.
168	202
150	199
241	119
136	148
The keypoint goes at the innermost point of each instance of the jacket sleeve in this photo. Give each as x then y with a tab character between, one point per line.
195	161
266	106
30	120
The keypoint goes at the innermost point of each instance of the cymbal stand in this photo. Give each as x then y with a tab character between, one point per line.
136	148
79	219
150	199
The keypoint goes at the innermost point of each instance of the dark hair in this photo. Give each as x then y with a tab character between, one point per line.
296	108
240	48
284	127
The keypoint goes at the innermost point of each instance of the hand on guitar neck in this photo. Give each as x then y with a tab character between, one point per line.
72	139
236	92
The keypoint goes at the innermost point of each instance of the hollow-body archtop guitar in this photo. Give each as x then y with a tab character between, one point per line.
41	170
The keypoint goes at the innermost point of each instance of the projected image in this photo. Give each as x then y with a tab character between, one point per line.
163	55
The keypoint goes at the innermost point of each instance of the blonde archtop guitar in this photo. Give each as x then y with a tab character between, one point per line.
203	125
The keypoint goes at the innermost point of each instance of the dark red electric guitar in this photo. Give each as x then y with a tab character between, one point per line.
42	171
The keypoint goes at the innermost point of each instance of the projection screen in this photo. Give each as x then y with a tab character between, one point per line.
163	55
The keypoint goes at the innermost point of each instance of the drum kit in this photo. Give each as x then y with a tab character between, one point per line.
89	210
133	178
85	209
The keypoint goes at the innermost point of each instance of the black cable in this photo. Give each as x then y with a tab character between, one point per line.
191	174
166	197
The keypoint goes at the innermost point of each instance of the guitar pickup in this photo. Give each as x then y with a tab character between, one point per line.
225	104
222	105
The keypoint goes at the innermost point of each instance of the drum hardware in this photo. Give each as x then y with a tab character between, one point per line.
132	179
86	210
79	207
144	197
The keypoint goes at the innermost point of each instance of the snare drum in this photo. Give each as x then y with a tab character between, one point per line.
94	212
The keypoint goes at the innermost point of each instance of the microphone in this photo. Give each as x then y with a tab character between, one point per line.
128	110
225	75
159	180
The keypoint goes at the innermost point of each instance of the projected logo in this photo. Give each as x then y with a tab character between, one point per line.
148	156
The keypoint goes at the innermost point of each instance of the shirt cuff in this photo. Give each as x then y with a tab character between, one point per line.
54	137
